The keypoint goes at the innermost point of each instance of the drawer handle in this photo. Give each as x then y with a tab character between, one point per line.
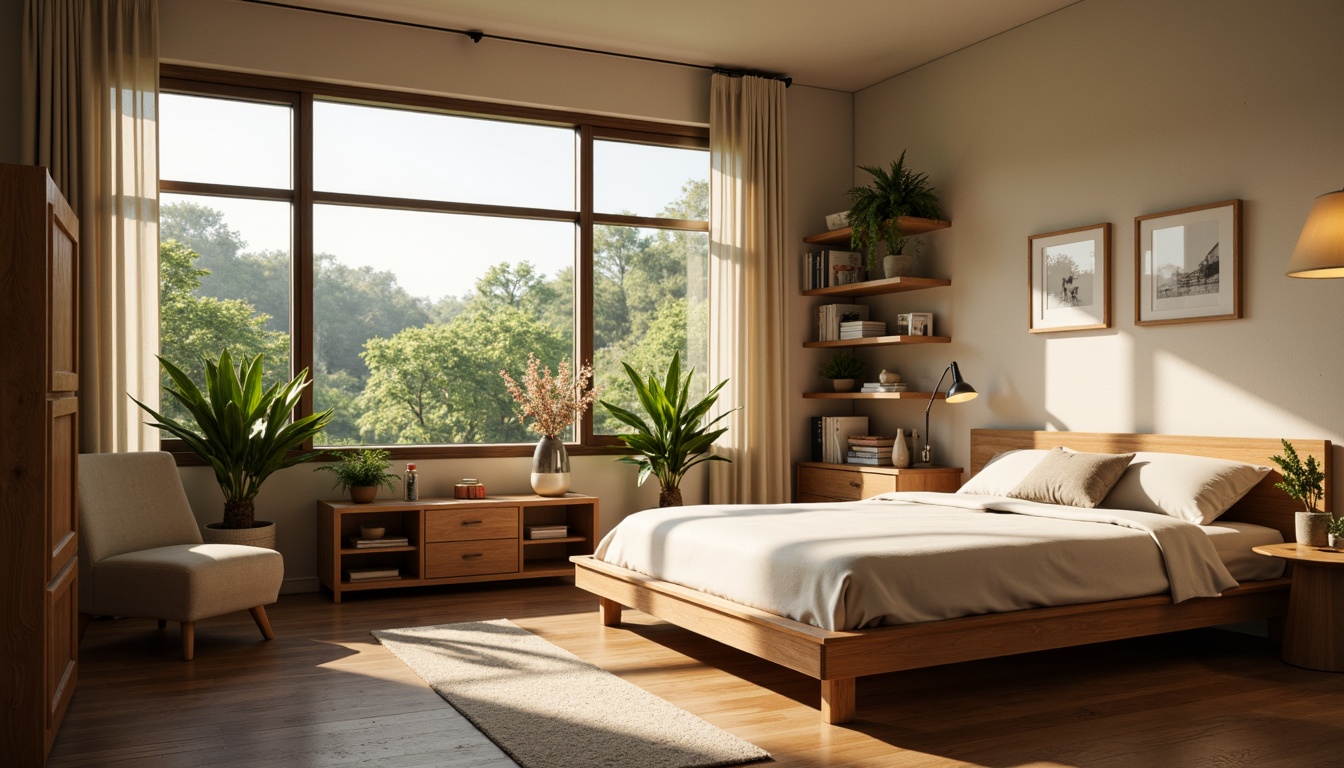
471	555
473	522
855	484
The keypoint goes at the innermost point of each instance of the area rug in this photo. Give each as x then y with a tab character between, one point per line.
547	708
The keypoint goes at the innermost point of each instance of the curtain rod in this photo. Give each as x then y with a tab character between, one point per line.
477	35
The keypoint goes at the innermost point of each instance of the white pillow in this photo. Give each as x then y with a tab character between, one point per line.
1003	472
1193	488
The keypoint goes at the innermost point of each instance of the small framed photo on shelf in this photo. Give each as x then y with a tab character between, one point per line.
1070	276
1187	265
918	324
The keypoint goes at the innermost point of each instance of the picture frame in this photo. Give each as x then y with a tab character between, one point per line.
914	324
1069	279
1187	265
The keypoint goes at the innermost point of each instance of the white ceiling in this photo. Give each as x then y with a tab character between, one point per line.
843	44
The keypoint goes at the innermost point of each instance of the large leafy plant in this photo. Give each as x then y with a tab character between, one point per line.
876	209
672	439
242	431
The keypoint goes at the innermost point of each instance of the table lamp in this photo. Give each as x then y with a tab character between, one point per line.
1320	247
957	392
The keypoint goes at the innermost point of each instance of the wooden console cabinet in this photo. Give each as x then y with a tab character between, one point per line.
452	541
819	481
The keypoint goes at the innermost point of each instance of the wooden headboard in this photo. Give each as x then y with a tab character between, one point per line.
1263	505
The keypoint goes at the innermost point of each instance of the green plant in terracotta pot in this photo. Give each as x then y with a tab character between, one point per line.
362	472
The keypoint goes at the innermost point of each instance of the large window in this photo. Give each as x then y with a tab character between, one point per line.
405	253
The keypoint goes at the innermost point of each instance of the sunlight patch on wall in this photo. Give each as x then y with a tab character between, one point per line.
1089	382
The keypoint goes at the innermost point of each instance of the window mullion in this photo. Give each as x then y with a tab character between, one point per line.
302	320
583	315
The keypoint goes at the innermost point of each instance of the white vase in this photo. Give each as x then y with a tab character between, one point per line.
1310	528
900	452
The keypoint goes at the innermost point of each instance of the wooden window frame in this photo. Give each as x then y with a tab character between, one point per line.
301	94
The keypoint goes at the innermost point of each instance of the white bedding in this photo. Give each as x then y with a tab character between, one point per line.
910	557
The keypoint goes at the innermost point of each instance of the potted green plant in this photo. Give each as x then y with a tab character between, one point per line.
362	472
1335	532
244	432
842	369
876	211
1304	482
672	439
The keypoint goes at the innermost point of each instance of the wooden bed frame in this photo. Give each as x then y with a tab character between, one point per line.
836	659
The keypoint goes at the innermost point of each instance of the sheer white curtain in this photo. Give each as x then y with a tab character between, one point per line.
90	97
747	339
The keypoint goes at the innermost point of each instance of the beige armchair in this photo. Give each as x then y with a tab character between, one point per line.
141	554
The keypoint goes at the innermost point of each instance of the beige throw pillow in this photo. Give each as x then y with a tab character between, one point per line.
1194	488
1072	479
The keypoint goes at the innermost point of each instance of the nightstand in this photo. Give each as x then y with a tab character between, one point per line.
1313	634
818	481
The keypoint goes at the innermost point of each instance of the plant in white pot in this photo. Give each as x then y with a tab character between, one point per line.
842	369
245	433
362	472
1304	482
876	212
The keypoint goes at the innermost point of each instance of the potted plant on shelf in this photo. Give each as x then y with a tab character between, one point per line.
362	472
842	369
672	440
876	212
1304	482
244	433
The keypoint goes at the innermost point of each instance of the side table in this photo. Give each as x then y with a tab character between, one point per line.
1313	634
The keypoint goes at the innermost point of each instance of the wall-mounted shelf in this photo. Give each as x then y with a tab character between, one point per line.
871	395
910	226
878	287
879	341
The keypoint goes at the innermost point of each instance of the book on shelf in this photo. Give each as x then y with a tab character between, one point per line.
837	431
874	387
830	316
863	450
862	329
872	441
814	424
386	541
547	531
868	460
370	574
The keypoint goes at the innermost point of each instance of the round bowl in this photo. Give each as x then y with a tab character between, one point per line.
371	531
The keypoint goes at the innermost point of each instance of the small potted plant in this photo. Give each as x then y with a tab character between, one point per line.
1304	482
362	472
842	369
1335	529
876	212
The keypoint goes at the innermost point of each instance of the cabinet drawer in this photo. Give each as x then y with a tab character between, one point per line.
471	558
471	523
846	485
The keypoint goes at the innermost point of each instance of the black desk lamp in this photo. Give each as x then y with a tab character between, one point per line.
958	392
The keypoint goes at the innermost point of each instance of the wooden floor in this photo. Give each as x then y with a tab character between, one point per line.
323	693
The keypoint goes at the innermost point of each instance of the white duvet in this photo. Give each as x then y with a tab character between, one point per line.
909	557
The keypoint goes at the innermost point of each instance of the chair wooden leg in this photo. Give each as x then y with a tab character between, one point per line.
188	640
263	623
83	623
163	623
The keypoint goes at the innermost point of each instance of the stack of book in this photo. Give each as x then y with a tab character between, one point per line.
876	386
372	573
871	450
385	541
830	435
831	316
547	531
862	329
828	268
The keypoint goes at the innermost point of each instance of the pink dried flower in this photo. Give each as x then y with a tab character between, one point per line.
552	401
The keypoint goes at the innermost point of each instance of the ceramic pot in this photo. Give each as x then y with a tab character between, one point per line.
1310	528
1335	540
261	534
550	467
899	265
900	452
363	494
842	385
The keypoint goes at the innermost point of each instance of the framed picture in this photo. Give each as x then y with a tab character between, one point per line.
1070	277
1187	265
914	324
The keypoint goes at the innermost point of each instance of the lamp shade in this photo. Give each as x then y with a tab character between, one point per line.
960	391
1320	247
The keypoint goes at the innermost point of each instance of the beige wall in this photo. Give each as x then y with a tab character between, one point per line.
244	37
1103	111
11	39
